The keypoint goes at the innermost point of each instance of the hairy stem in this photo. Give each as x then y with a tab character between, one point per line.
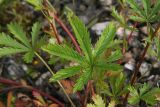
50	70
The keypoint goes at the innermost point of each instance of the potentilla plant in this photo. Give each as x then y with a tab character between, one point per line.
98	62
91	62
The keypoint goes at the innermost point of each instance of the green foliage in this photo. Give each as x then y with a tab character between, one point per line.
147	14
119	18
91	58
145	93
81	34
19	43
105	39
18	33
36	3
114	88
64	51
65	73
98	102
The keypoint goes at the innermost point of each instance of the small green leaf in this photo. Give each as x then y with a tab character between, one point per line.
105	39
36	3
63	51
152	98
98	102
146	5
35	32
18	32
81	34
41	42
144	89
103	65
149	98
8	51
115	56
155	9
135	7
135	98
118	17
137	18
28	57
65	73
82	80
8	41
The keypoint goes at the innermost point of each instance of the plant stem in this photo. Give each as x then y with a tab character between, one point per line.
59	21
68	32
134	76
130	35
50	70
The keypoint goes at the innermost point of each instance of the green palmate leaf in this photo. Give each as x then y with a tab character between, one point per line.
41	42
149	98
65	73
154	18
155	9
82	80
8	41
135	7
115	56
35	32
152	98
144	89
103	65
28	57
36	3
18	32
146	5
63	51
98	102
104	88
135	98
118	17
137	18
105	39
9	50
81	34
117	83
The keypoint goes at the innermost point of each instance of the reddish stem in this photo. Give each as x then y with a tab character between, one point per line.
16	85
134	76
130	35
68	32
54	16
55	32
87	92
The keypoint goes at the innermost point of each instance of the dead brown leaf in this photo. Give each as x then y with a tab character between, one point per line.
68	86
